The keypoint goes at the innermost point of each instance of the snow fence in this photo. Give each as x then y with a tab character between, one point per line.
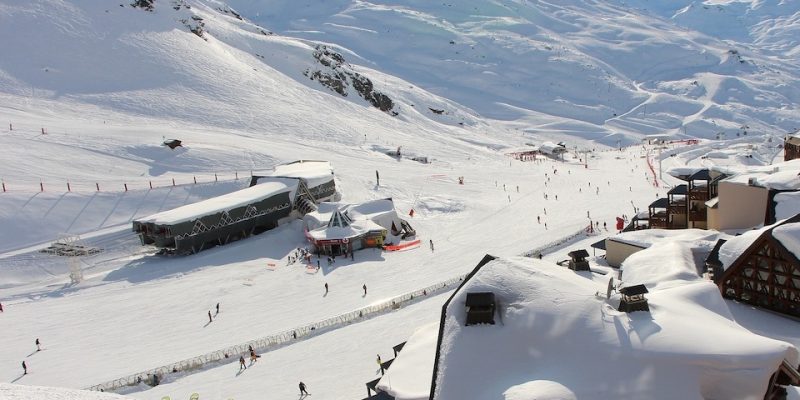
272	342
285	338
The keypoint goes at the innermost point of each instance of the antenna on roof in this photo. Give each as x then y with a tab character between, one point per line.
610	288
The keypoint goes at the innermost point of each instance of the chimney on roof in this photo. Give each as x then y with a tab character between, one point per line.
633	299
480	308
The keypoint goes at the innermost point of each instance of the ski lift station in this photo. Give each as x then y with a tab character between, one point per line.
288	193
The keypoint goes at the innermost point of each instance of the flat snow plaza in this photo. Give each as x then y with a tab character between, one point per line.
155	222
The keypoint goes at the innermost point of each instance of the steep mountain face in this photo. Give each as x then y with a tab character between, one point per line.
605	68
604	71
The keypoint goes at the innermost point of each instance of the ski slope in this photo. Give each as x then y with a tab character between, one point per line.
90	90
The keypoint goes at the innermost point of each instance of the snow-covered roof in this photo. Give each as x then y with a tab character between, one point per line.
786	231
551	148
789	236
409	378
779	176
663	263
355	228
735	246
314	172
678	172
225	202
552	326
647	237
10	391
787	205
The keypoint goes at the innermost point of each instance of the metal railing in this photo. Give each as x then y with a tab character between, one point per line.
272	342
287	337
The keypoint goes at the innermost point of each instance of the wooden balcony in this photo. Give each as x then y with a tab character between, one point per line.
698	215
699	194
658	221
677	209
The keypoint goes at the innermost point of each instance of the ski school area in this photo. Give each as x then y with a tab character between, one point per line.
316	288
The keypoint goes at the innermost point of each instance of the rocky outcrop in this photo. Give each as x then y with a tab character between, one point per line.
338	76
143	4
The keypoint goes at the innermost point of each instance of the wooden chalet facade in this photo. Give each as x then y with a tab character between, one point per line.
685	204
791	148
766	274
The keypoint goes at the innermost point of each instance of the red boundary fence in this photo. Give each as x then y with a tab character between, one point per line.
70	185
403	246
652	170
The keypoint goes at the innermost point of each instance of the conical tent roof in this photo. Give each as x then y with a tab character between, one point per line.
338	219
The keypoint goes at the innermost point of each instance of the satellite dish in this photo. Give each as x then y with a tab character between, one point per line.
610	288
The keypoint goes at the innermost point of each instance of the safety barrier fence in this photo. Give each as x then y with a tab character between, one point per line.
556	243
272	342
64	186
652	170
403	246
285	338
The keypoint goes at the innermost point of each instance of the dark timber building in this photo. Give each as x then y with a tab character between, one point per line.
267	203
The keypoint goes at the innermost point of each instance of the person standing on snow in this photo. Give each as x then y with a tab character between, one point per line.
210	320
217	308
38	345
241	363
326	287
365	289
431	243
303	389
1	307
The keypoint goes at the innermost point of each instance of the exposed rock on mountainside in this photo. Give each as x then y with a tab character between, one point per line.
338	76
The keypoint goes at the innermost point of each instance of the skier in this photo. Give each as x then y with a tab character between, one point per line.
210	320
253	356
217	308
1	307
24	368
303	389
365	289
539	219
326	287
38	345
604	226
431	242
241	363
379	359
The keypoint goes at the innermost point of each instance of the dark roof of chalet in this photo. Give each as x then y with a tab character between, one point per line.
660	203
380	396
582	253
702	175
713	257
633	290
600	245
680	189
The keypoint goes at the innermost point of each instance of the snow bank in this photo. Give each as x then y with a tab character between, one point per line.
23	392
539	390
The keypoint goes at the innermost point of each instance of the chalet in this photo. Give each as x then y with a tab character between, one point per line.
791	147
761	267
337	229
292	191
